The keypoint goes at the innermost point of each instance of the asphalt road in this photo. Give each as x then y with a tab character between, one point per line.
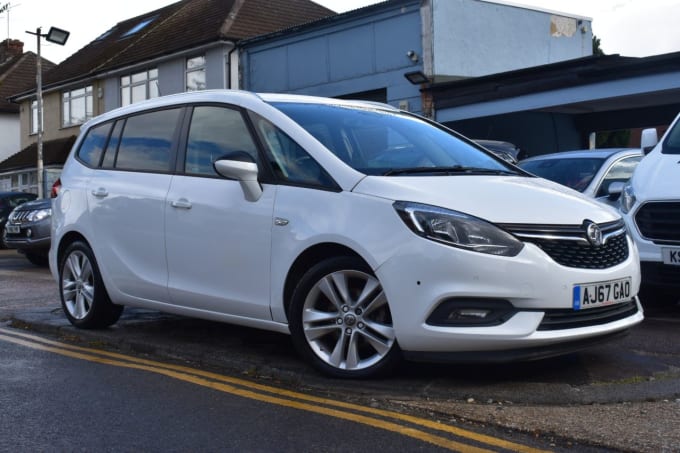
623	395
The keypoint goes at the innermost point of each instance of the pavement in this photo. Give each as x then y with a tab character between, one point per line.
623	395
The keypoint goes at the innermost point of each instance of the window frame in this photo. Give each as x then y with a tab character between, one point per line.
33	126
130	84
196	69
68	98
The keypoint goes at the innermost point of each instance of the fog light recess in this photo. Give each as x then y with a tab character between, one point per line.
471	312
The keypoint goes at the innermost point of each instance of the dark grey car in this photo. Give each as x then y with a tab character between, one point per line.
28	229
9	201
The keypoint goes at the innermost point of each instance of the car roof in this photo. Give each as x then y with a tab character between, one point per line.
239	97
603	153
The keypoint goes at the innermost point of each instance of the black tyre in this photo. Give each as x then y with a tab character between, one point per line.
3	238
39	259
341	322
83	296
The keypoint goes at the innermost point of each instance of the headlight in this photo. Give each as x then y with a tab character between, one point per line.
457	229
627	199
34	216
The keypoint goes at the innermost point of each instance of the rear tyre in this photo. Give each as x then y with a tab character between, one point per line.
83	296
340	320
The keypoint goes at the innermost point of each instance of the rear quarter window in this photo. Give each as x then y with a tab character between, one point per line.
90	151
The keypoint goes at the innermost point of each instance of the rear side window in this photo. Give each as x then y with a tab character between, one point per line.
214	132
146	143
90	151
112	148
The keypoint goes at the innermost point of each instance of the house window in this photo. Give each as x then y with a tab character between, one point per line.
195	73
34	117
138	87
76	106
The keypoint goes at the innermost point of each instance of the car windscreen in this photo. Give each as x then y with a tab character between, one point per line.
576	173
382	142
671	144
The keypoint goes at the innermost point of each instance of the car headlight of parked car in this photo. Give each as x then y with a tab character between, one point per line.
457	229
627	198
40	214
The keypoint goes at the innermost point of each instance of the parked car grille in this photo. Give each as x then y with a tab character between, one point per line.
569	245
659	222
570	319
19	216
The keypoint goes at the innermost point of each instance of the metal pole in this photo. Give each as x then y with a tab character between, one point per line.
38	79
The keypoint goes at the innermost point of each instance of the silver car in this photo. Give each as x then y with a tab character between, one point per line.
590	171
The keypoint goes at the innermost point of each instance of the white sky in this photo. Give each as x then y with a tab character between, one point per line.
633	28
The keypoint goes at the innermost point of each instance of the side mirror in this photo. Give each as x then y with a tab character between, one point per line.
615	189
648	140
242	167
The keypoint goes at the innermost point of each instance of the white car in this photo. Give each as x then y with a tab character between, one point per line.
366	233
590	171
650	202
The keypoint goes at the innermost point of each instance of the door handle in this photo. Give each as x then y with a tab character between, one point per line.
100	193
182	203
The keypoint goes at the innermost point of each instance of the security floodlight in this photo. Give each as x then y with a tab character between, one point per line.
416	77
57	36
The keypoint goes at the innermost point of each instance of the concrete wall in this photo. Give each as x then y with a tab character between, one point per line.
364	53
10	133
472	38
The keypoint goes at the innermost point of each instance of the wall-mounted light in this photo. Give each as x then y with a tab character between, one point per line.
412	55
416	77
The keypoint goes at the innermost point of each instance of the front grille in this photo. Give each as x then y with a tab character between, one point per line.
659	221
568	245
660	274
19	216
570	319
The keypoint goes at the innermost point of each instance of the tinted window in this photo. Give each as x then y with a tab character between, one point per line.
289	160
147	141
112	147
376	141
91	149
214	132
574	173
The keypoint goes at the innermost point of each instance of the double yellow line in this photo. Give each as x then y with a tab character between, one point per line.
406	425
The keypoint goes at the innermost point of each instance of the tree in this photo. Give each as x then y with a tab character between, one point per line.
597	50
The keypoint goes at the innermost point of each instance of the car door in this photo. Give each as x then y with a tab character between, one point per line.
218	243
126	199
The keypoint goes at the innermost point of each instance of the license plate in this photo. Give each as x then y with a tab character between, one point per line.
13	229
671	256
591	295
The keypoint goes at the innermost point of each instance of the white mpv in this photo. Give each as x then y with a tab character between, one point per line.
367	233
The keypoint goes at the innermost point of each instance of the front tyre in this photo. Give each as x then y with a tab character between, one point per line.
83	296
341	322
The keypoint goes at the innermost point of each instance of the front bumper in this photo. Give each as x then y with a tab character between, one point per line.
424	274
32	236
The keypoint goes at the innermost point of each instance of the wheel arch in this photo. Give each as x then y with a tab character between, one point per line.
309	258
68	239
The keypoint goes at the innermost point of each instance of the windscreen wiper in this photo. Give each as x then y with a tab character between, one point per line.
454	170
